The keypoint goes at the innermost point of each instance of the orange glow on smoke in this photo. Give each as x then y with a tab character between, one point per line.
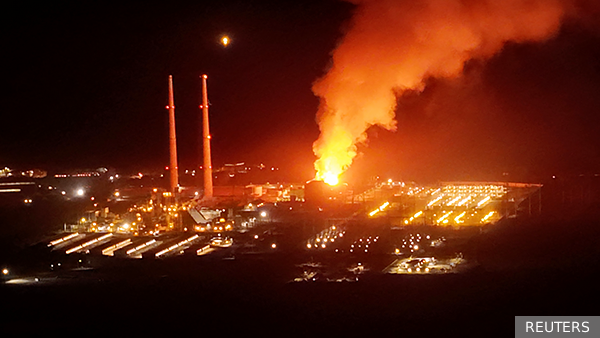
395	46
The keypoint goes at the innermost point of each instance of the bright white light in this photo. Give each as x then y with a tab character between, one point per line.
483	201
225	41
5	271
263	214
331	179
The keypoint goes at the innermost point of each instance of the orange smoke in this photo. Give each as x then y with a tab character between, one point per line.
395	45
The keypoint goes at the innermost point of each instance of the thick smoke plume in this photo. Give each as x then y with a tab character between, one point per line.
393	46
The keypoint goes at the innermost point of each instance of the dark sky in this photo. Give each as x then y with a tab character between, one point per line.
87	83
85	86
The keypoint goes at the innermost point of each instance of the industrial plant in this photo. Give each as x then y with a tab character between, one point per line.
144	219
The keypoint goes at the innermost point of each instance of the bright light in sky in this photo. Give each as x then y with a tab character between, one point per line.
225	40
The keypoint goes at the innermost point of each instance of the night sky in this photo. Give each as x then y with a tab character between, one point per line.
86	86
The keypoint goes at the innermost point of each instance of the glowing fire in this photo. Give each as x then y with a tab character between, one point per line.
330	178
395	46
335	152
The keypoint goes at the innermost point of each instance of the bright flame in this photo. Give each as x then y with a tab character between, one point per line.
335	150
330	178
395	46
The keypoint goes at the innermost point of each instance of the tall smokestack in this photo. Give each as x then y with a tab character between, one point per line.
174	172
208	183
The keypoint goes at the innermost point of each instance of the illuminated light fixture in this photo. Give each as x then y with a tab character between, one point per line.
486	217
86	244
454	200
66	238
11	190
457	218
483	201
435	201
175	246
111	249
204	250
141	246
461	203
446	215
381	208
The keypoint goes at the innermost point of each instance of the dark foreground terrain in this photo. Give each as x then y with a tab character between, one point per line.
542	265
536	268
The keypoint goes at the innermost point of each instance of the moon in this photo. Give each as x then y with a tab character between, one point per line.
225	40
